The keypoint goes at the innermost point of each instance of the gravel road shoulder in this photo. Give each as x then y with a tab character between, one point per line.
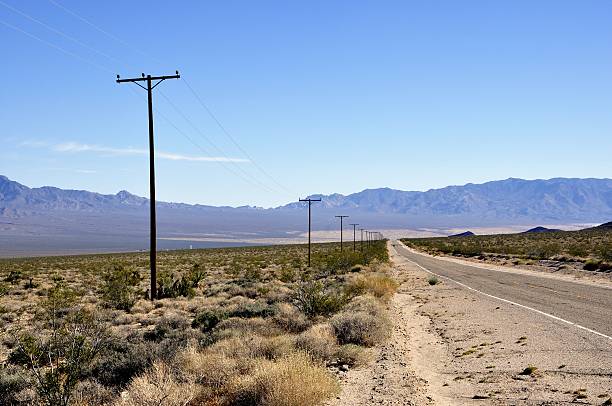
451	346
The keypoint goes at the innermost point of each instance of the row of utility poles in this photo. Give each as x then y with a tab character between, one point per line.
371	236
150	83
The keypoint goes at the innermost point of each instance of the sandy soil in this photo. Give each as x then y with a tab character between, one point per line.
451	346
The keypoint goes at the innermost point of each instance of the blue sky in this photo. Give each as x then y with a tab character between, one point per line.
323	96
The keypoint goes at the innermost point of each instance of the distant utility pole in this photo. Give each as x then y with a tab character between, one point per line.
309	200
354	234
149	88
341	218
361	244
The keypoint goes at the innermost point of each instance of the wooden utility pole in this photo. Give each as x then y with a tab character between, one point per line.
149	88
361	243
341	218
309	200
354	235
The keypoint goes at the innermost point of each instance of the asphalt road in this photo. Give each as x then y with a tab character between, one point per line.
586	306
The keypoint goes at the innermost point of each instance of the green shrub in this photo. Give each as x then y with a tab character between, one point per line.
12	381
119	289
314	299
13	277
121	360
170	285
591	265
60	353
207	319
433	280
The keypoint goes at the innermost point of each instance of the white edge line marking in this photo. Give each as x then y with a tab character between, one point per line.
571	323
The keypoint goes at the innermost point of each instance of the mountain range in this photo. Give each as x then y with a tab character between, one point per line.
56	217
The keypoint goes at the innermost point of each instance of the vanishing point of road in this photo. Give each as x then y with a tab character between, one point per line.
585	306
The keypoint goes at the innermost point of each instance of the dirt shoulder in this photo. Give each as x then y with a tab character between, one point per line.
451	346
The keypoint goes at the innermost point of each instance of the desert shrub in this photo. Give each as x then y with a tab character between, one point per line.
89	393
30	284
376	284
290	319
367	304
363	322
290	381
169	324
286	274
206	368
121	360
337	262
12	381
319	342
3	289
158	386
13	277
238	327
433	280
249	310
119	290
591	265
207	319
253	346
59	355
314	299
170	285
351	355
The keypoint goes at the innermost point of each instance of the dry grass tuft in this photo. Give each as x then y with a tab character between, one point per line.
291	381
376	284
319	342
157	386
363	322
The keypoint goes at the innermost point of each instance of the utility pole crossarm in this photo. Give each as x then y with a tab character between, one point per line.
148	77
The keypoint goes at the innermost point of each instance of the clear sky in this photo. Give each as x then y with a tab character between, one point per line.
323	96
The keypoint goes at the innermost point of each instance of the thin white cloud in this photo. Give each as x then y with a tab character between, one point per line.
74	147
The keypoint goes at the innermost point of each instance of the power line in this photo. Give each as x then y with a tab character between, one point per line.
203	135
232	139
249	178
57	47
191	89
198	146
58	32
98	28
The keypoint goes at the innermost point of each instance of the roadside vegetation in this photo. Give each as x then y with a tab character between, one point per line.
591	248
235	326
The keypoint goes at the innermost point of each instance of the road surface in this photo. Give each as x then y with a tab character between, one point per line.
584	306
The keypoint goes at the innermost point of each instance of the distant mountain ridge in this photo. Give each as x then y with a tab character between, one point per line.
58	218
553	199
559	199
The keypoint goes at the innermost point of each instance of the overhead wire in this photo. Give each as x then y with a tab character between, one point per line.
57	47
101	30
191	89
202	149
245	175
207	139
231	138
59	32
